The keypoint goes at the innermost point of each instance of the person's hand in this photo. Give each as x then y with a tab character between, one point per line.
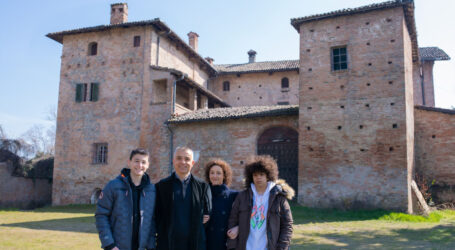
205	218
233	232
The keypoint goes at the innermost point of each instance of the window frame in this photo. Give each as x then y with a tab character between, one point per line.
137	41
340	62
100	153
284	81
92	49
226	86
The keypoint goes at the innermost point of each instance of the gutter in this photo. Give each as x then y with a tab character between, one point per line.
171	132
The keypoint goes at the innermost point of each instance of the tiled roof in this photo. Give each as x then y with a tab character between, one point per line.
159	26
432	54
217	114
407	5
256	67
440	110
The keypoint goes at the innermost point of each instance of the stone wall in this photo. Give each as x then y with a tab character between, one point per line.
435	147
257	89
231	140
20	192
353	124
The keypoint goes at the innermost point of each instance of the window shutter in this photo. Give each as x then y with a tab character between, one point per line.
78	92
94	92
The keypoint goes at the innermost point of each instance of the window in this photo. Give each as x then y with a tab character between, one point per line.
92	49
94	90
339	58
137	41
226	86
283	103
284	83
81	92
100	153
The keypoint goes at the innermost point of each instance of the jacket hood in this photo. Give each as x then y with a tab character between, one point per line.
284	189
125	175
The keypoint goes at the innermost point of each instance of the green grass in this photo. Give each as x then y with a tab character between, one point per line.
72	227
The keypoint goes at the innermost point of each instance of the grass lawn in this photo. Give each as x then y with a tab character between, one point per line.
72	227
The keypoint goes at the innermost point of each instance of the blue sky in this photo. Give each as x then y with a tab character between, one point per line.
30	62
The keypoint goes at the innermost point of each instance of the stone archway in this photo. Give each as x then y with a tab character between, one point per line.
95	196
282	144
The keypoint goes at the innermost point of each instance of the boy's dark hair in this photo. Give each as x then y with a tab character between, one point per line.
227	172
139	151
260	163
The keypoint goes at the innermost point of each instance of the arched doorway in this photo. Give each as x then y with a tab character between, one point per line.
282	144
95	196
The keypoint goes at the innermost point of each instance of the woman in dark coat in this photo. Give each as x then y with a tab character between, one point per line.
219	174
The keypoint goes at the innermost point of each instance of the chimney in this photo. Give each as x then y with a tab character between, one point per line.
119	13
192	40
251	56
210	60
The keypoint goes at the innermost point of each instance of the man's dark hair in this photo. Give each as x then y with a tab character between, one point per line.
260	163
139	151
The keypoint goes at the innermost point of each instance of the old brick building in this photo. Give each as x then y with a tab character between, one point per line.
341	120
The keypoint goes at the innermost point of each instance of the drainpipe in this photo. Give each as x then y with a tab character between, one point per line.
171	132
422	82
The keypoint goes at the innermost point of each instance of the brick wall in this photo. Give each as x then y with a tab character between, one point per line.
20	192
231	140
256	89
434	146
354	124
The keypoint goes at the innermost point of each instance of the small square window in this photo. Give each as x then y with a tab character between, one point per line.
137	41
100	153
226	86
339	58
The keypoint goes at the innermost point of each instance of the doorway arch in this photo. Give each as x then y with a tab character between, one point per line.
282	144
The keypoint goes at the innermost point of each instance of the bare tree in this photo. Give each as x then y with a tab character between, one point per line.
40	143
51	131
2	133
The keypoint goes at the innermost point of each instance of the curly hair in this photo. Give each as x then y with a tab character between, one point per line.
227	171
260	163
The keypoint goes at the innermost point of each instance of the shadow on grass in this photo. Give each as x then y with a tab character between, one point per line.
80	224
438	237
77	209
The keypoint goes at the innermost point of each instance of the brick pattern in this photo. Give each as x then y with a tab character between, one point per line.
353	150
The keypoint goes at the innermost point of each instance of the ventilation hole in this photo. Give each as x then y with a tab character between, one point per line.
103	63
241	162
311	149
392	103
338	27
433	136
363	150
369	64
260	97
88	65
368	84
66	75
238	75
78	65
310	69
367	23
339	127
390	62
310	88
390	82
69	66
311	30
367	105
361	126
392	41
368	43
389	20
308	128
342	87
395	125
238	98
308	50
391	149
309	108
123	62
260	85
342	106
240	86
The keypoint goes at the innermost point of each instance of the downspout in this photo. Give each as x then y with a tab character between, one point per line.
171	132
422	82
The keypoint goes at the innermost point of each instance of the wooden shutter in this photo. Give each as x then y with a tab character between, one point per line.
94	92
79	87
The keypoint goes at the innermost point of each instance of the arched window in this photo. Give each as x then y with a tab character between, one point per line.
284	83
226	86
92	48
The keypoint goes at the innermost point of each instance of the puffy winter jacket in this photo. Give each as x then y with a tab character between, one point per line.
114	215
